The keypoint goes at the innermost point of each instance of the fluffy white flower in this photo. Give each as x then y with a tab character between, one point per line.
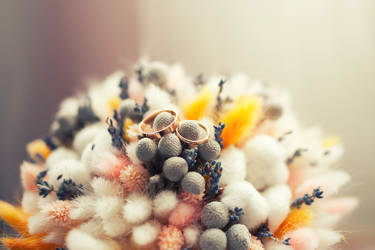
146	233
86	136
245	196
265	162
279	200
164	203
234	165
137	209
78	239
60	154
30	202
191	235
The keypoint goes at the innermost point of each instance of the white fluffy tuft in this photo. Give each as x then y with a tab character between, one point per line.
146	233
328	238
279	199
137	209
164	203
104	187
83	208
330	183
158	98
107	207
39	223
57	236
30	202
244	195
191	235
78	239
234	165
115	226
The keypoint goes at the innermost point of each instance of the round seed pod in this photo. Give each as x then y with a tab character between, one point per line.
189	130
209	150
215	215
156	73
127	109
213	239
238	237
193	182
175	168
146	149
169	146
273	111
162	120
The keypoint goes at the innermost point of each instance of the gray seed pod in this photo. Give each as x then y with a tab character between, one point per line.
213	239
238	237
146	149
156	73
126	109
209	150
169	146
175	168
273	111
215	215
193	182
162	120
189	130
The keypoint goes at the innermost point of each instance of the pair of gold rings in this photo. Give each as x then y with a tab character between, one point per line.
146	128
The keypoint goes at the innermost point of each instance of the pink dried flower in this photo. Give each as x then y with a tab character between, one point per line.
29	172
170	238
59	213
194	199
184	214
134	178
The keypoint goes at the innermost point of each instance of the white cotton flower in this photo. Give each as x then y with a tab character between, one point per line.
93	226
30	202
279	200
146	233
265	162
164	203
60	154
245	196
86	135
131	149
233	163
105	187
78	240
68	169
137	209
270	244
191	235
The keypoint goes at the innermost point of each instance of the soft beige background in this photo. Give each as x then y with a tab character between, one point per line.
323	51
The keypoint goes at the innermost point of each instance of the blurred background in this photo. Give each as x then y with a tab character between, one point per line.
322	51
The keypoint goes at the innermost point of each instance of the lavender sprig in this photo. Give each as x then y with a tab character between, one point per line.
124	85
307	199
264	232
218	131
69	190
235	214
190	155
213	169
